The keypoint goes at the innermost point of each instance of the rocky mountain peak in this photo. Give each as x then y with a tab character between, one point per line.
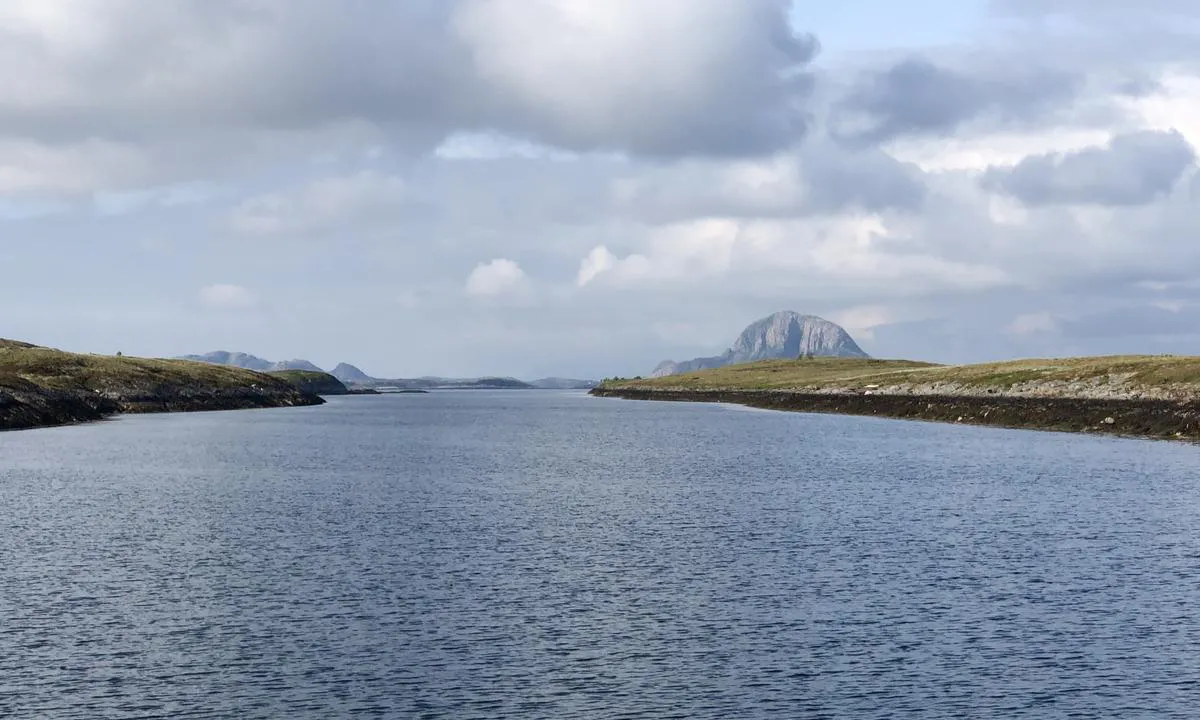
785	334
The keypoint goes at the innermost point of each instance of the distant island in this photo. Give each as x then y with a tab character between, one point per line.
41	387
355	380
1142	395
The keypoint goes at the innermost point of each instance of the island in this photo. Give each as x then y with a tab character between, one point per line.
42	387
1140	395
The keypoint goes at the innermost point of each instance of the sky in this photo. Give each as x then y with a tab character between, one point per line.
577	188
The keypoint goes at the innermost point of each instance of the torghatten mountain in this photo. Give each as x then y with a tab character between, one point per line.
785	334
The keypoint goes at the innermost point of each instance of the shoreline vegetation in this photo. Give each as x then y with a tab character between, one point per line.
42	387
1136	395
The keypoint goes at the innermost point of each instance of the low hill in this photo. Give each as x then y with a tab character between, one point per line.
1136	395
315	383
41	386
783	335
1124	376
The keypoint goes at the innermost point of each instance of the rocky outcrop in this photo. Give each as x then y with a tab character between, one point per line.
783	335
24	404
315	383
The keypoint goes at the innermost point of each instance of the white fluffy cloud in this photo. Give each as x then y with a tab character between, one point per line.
500	278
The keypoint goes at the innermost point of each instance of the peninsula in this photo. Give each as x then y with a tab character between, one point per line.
1141	395
42	387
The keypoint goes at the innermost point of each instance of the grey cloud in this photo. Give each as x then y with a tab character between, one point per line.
704	77
1133	169
1133	321
1094	8
868	180
918	97
818	178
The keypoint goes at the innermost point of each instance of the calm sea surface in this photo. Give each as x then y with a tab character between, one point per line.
551	555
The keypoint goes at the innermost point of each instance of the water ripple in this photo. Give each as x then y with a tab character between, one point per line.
548	555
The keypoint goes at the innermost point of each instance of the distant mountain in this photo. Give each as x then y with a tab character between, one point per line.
564	384
251	362
351	375
304	365
237	359
441	383
785	334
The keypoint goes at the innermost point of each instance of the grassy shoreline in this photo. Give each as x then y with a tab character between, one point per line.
42	387
1137	396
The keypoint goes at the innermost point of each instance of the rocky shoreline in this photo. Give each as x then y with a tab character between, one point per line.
28	407
1146	418
43	387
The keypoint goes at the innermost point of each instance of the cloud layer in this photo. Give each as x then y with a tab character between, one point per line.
585	188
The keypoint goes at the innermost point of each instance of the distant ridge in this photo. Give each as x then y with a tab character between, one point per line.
785	334
251	362
236	359
354	377
350	375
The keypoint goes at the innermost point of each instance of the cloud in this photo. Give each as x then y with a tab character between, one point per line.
499	278
1132	169
862	321
638	178
672	77
227	297
818	178
85	103
1033	323
839	255
915	97
320	204
1102	8
601	263
1134	321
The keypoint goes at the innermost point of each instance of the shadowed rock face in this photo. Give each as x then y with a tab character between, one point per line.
782	335
313	383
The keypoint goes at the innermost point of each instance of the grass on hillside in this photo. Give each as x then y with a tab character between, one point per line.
60	370
1146	370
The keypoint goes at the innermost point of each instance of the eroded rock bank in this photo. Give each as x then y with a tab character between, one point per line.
1163	419
25	405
